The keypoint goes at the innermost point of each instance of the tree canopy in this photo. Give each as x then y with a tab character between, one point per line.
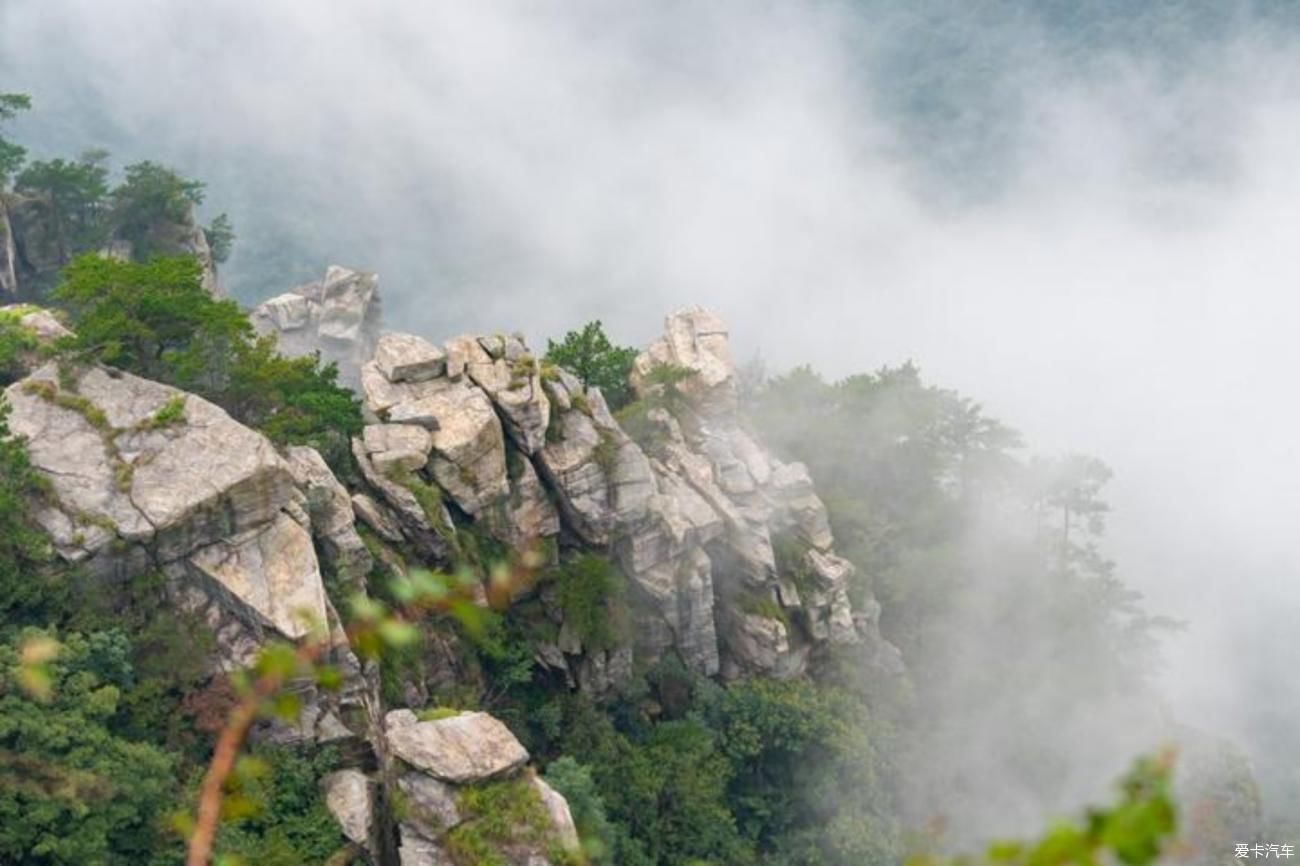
589	355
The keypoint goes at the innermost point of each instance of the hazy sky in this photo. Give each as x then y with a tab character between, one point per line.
1080	213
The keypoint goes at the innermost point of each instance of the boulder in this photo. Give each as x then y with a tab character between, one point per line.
381	395
423	522
408	358
349	796
470	747
528	514
116	473
339	317
431	808
396	448
377	518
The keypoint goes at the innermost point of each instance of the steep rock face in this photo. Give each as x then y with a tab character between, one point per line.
720	570
338	316
441	435
690	508
36	250
8	255
144	477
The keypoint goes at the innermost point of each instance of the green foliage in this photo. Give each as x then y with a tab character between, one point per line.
72	790
502	814
75	192
16	342
11	155
170	414
1135	831
957	534
156	319
590	356
27	589
592	596
809	783
291	400
574	782
278	817
221	237
764	606
433	714
151	195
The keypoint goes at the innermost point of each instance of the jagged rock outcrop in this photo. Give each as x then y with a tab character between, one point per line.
338	316
439	431
690	508
143	477
719	571
435	761
36	248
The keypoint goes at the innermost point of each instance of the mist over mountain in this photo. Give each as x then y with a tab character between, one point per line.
1080	214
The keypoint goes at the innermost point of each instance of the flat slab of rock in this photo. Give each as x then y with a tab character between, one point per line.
273	571
183	485
470	747
408	358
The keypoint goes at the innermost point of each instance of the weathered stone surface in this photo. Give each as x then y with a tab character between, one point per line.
469	456
470	747
758	645
40	326
338	317
679	610
381	395
416	524
528	513
696	339
330	510
408	358
371	514
8	255
557	808
176	487
514	385
417	851
397	447
430	805
272	573
349	796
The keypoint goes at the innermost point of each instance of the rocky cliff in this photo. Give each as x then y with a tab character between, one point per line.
726	550
32	251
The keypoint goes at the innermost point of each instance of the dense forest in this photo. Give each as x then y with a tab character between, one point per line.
1012	680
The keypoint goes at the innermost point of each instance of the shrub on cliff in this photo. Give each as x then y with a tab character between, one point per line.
155	319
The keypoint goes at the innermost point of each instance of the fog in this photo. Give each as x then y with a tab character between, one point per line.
1082	215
